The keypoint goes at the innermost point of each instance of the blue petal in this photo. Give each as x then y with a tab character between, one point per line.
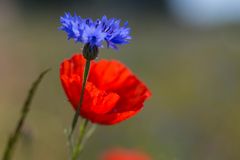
95	32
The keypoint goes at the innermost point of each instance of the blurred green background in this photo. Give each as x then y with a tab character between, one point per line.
192	69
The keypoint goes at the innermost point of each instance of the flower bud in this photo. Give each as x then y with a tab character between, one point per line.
90	52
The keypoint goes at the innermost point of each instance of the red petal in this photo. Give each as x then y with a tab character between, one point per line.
123	154
98	101
112	92
115	77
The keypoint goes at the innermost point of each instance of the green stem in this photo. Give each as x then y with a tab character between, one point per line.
25	109
89	133
78	148
76	116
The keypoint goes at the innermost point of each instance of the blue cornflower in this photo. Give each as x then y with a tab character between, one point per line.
94	33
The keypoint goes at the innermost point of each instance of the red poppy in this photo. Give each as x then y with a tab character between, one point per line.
112	92
123	154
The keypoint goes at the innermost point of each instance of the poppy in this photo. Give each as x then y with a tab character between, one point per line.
124	154
112	94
